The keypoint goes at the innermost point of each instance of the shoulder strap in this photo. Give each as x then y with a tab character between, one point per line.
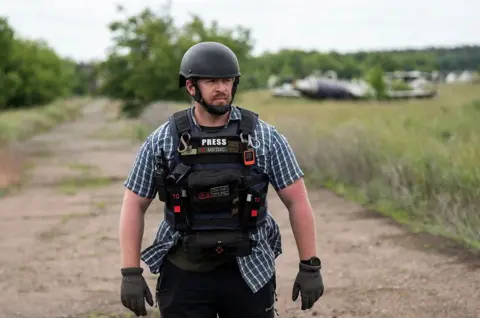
247	122
179	124
181	121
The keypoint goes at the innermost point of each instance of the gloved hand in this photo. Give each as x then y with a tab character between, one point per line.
134	289
309	283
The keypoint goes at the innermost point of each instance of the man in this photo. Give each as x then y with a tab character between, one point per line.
212	164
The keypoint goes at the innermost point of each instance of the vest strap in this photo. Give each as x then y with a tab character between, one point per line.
182	122
248	122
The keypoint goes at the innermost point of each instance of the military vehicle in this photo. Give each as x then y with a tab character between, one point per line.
399	85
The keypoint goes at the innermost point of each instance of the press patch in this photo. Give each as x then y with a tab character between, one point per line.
214	142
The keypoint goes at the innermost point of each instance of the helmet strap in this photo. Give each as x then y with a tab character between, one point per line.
214	109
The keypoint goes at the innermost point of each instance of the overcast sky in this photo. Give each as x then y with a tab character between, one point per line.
78	28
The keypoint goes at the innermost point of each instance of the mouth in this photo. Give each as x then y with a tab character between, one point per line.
219	100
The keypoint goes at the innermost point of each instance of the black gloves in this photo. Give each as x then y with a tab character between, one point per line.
133	291
309	284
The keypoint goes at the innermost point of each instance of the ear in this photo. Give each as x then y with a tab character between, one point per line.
190	87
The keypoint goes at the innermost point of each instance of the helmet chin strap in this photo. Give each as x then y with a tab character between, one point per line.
214	109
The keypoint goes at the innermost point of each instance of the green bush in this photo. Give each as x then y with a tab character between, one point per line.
32	74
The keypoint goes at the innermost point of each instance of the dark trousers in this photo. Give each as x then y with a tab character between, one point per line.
222	292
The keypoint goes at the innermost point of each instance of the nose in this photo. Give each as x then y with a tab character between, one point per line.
223	87
222	83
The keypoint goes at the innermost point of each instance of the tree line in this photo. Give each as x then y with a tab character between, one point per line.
142	65
33	74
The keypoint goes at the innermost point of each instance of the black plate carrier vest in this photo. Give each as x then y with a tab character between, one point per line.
214	182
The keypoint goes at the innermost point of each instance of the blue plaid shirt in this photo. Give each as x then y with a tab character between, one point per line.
274	155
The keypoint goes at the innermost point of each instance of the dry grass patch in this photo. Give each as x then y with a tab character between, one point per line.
23	123
17	125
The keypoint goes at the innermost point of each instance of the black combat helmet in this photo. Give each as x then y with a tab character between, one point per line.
209	60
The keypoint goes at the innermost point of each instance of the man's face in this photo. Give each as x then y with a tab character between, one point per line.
215	91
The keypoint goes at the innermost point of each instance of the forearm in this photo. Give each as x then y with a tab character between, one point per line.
131	234
303	227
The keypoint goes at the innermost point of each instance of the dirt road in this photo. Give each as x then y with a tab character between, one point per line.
60	253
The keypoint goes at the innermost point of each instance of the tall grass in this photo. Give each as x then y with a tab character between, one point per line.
413	160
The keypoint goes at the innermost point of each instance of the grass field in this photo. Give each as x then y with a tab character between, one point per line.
413	160
23	123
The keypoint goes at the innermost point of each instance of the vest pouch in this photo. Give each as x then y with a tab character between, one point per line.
217	244
214	190
254	200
